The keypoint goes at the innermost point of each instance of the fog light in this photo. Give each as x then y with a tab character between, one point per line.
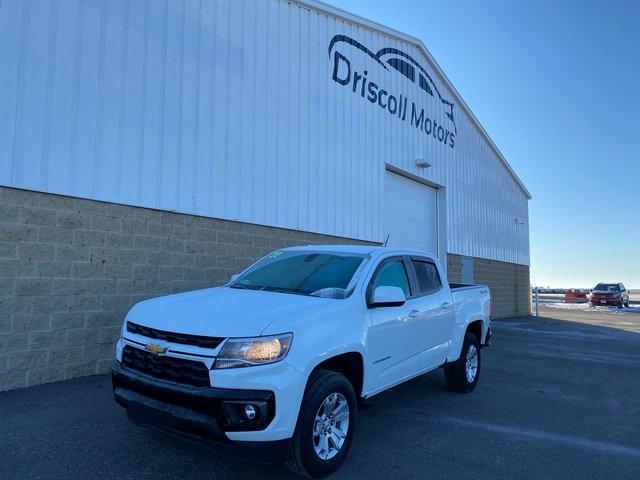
250	412
246	414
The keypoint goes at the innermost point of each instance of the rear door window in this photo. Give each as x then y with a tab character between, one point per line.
427	276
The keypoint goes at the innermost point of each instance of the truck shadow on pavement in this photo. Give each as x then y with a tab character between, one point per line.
556	399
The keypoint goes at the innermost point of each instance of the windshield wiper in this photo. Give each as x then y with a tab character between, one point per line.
294	291
265	288
246	287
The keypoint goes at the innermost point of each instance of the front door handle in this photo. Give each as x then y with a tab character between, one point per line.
445	304
414	313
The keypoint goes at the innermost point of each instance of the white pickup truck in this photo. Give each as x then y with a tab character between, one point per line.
271	366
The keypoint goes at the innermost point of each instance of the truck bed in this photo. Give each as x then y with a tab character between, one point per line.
464	286
469	301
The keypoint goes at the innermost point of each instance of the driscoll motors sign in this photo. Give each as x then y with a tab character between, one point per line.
443	130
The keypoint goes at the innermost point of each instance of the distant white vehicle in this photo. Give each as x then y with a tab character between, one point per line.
271	366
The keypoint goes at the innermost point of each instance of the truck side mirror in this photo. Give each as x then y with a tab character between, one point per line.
386	296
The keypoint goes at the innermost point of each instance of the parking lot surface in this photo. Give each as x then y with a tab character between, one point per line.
558	398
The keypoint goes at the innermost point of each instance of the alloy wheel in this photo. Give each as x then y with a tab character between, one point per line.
330	426
472	363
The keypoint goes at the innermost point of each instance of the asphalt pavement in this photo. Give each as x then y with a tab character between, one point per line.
558	398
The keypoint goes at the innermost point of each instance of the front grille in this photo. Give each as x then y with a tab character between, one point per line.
182	338
174	369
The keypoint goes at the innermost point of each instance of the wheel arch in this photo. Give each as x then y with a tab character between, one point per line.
476	327
348	363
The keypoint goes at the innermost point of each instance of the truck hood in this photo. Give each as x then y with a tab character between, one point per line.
221	311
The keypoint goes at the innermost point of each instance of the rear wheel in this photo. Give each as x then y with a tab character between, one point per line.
325	427
462	375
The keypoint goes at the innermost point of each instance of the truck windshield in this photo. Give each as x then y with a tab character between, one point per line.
305	273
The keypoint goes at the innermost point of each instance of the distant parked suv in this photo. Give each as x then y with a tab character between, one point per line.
609	294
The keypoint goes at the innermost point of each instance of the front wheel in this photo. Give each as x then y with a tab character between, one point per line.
462	375
626	304
325	427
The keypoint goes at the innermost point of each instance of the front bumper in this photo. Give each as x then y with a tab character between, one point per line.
605	300
197	414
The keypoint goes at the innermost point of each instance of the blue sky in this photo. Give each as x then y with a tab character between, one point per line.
557	86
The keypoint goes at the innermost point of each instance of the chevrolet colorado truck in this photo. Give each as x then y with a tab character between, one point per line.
272	366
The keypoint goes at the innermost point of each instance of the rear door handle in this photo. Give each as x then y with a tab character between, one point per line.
445	304
414	313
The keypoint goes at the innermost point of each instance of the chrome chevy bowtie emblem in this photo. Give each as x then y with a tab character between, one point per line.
155	348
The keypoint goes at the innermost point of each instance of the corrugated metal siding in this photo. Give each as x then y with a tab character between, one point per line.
227	109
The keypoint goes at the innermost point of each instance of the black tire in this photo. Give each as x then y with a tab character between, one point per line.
626	304
302	458
621	304
456	373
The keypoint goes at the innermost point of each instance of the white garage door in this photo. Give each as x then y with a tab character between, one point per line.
411	213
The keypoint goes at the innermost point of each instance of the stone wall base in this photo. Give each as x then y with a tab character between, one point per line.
70	269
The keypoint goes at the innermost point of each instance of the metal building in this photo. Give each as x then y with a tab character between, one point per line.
259	123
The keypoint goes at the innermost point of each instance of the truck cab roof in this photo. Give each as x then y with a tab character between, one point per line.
361	250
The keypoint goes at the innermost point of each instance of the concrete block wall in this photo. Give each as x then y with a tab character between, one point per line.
70	269
509	284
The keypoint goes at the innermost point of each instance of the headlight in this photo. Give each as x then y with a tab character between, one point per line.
246	352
